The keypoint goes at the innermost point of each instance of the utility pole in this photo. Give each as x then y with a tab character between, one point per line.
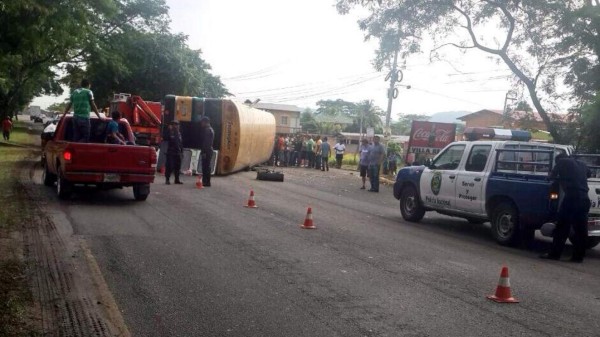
510	95
392	91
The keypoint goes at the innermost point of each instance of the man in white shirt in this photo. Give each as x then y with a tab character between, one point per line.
339	148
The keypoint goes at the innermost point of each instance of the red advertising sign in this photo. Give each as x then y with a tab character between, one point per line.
428	138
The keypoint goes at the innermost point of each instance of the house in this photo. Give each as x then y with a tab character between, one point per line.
495	118
287	117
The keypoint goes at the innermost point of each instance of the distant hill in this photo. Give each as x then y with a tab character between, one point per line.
448	116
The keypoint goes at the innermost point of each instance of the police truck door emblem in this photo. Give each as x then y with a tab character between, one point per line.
436	183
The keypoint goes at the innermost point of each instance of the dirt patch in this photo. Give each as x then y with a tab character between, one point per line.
49	282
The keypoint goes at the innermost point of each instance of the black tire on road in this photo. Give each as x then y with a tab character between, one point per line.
141	191
48	177
410	206
505	224
64	189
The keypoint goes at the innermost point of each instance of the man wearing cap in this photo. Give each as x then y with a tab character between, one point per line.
174	153
207	136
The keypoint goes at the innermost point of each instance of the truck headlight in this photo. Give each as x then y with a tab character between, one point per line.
553	196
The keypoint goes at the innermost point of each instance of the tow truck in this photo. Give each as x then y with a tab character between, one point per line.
496	175
143	116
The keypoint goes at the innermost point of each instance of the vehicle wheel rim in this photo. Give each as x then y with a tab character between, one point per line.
506	225
409	205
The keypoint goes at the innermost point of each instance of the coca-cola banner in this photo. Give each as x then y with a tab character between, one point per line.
428	138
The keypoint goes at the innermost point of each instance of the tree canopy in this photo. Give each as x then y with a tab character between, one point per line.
42	41
544	43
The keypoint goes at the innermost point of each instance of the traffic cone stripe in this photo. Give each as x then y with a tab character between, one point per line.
308	221
503	293
251	203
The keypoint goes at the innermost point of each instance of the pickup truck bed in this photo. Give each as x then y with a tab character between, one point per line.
97	163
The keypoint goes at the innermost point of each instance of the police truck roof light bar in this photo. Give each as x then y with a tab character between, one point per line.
476	133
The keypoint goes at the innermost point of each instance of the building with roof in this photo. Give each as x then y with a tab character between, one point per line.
495	118
287	116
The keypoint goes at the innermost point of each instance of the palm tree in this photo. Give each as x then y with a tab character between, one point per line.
367	114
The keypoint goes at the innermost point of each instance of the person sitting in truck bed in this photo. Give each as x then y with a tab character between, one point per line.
113	136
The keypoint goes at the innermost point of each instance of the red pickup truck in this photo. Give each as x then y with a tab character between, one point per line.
97	163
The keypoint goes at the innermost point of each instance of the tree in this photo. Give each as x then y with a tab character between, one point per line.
404	124
529	41
39	38
307	121
370	114
57	107
336	107
151	65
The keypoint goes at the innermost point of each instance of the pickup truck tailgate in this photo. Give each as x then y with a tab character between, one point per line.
111	158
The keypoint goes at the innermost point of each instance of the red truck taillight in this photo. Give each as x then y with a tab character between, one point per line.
67	155
153	159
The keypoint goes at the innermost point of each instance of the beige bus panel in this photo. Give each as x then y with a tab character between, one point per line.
183	108
247	137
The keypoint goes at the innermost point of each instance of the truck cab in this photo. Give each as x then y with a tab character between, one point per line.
502	181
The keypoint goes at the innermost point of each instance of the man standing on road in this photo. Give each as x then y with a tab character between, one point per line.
339	148
325	154
174	153
6	128
310	145
573	209
82	101
376	155
364	160
208	137
318	157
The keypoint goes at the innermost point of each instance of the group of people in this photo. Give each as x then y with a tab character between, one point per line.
306	151
82	102
175	151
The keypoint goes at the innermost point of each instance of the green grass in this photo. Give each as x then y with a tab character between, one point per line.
15	296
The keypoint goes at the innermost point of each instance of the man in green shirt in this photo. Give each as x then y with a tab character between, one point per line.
82	101
310	144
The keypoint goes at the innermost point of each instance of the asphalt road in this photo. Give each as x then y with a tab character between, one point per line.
191	262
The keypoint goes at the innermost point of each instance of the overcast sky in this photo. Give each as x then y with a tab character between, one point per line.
298	52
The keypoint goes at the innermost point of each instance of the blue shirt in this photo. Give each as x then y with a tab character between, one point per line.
113	126
325	149
376	151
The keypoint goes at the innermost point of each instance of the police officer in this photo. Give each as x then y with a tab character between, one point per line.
207	136
174	153
573	209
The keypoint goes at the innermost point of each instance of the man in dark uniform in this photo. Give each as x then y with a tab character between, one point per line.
573	209
207	136
174	153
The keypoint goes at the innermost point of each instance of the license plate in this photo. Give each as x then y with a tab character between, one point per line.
111	178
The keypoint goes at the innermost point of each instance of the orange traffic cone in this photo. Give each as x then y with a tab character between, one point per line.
308	221
251	202
503	294
199	182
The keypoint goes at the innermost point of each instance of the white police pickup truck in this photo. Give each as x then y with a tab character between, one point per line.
502	181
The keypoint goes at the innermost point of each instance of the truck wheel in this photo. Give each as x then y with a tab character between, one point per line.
505	224
592	242
48	177
410	207
63	187
141	191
